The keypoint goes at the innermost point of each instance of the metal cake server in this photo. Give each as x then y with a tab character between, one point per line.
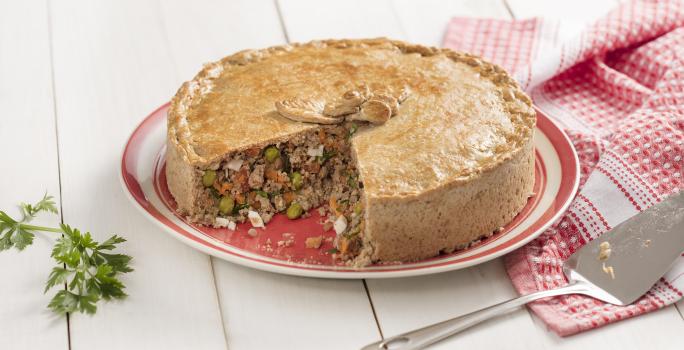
618	267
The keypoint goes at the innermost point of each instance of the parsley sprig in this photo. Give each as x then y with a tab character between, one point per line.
89	269
19	234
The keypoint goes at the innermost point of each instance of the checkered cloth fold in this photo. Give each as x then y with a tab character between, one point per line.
617	89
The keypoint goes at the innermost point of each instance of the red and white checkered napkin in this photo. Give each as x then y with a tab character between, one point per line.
618	90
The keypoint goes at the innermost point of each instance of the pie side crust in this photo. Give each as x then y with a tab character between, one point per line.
452	218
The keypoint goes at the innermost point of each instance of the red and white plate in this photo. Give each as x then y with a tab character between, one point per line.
281	246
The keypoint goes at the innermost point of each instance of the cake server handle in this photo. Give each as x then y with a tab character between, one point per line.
420	338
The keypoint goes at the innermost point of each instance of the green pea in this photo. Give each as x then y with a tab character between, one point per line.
226	205
294	211
357	208
208	178
271	154
297	180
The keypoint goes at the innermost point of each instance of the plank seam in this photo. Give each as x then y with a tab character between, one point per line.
161	22
397	18
375	316
56	124
282	21
681	313
509	9
218	300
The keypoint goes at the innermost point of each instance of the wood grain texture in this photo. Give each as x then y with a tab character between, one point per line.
425	22
204	31
29	167
585	11
263	310
573	16
410	303
306	20
112	67
290	312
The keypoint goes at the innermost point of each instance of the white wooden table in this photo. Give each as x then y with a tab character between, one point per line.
77	76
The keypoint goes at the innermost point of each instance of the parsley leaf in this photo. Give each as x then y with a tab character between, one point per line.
45	204
239	207
89	270
261	193
326	155
352	130
19	234
93	273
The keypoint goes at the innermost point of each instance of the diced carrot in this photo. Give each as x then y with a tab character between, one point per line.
343	245
321	135
312	167
222	188
241	179
253	152
331	144
272	175
240	198
283	178
334	208
225	187
289	197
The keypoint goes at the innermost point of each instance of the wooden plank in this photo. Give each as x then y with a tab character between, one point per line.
584	11
268	311
306	20
112	68
289	310
573	15
425	21
405	304
198	36
29	168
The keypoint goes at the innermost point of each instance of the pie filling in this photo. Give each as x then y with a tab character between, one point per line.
311	170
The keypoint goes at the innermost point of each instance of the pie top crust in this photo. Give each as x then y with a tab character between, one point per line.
462	115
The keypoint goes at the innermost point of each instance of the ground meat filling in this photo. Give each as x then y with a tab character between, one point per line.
312	170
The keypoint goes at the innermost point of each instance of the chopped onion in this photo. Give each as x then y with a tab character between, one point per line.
340	225
221	222
232	225
315	152
255	219
234	164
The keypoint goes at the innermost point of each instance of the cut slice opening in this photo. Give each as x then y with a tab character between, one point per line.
312	170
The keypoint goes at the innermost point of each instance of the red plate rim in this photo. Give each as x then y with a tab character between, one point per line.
569	183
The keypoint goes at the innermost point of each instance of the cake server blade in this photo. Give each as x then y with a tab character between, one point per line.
642	249
618	267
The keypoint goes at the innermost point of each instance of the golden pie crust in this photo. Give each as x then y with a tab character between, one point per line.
453	164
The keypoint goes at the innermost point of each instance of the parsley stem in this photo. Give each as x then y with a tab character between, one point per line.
41	228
